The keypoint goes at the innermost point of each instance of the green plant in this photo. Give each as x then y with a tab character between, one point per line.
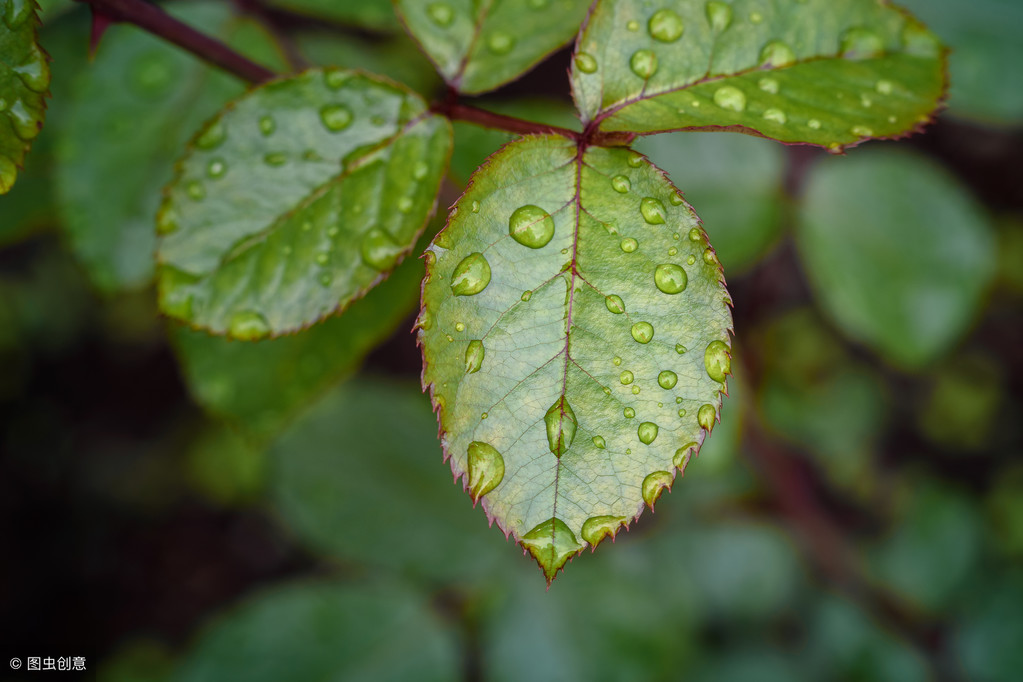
575	323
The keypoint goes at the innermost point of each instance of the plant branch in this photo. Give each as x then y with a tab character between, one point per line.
159	23
488	119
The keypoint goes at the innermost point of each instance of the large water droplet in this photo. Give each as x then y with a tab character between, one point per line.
861	43
585	62
615	304
440	13
486	469
474	354
665	25
599	442
776	54
653	210
670	278
643	332
247	325
717	360
551	543
667	379
710	257
719	15
653	485
561	426
34	71
643	63
596	528
695	235
629	245
629	413
730	98
336	117
621	184
471	276
647	432
626	377
500	42
531	226
706	417
212	137
18	12
379	250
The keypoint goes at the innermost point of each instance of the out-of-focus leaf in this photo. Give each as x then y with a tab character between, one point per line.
984	36
743	664
1010	255
396	57
1005	511
575	340
296	200
358	477
898	252
133	110
962	408
24	83
478	46
259	386
733	181
988	636
824	72
314	632
372	14
137	661
224	467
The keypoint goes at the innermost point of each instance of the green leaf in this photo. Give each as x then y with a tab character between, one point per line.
479	45
326	631
24	82
358	478
259	386
714	172
824	72
296	200
133	109
372	14
559	304
898	252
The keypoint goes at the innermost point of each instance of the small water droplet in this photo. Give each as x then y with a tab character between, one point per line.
166	219
585	62
866	101
629	413
322	258
730	98
862	131
600	443
756	17
884	87
861	43
484	415
335	78
379	250
607	391
691	260
440	13
474	354
667	379
326	279
336	117
682	413
670	278
629	245
486	469
666	26
719	15
654	485
678	400
216	168
621	184
632	25
709	257
475	207
675	200
561	426
643	332
420	170
673	251
635	390
626	377
450	338
531	226
195	190
768	85
814	124
405	204
717	360
634	159
267	125
647	432
212	137
695	235
500	42
275	159
459	327
247	325
643	63
706	416
680	349
776	115
526	295
471	275
653	211
776	54
615	304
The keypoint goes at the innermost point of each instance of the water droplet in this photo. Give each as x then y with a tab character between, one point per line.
643	332
706	416
596	528
653	211
216	168
18	12
335	78
647	432
333	231
166	219
474	354
440	13
680	349
673	251
275	159
486	469
531	226
730	98
585	62
615	304
629	413
621	184
629	245
247	325
526	295
600	443
627	377
665	25
607	391
617	361
267	125
643	63
814	124
709	257
866	101
719	14
484	415
776	115
632	25
682	455
561	426
670	278
450	338
756	17
307	226
667	379
459	327
717	360
322	258
691	260
861	43
884	87
768	85
326	279
862	131
551	543
635	390
471	276
212	137
405	204
420	170
654	485
776	54
500	42
336	117
195	190
34	71
379	250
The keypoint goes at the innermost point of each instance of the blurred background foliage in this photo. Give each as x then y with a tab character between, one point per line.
179	507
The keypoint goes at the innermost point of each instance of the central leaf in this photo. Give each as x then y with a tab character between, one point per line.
575	339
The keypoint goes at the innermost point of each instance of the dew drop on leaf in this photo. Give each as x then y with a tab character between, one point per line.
471	276
629	412
719	15
216	168
861	43
666	26
615	304
195	190
717	361
212	137
652	210
643	332
776	115
531	226
643	63
599	443
670	278
769	85
379	250
585	62
647	432
500	42
440	13
706	416
629	245
474	354
561	426
267	125
336	117
667	379
621	184
626	377
776	54
247	325
486	469
653	485
730	98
